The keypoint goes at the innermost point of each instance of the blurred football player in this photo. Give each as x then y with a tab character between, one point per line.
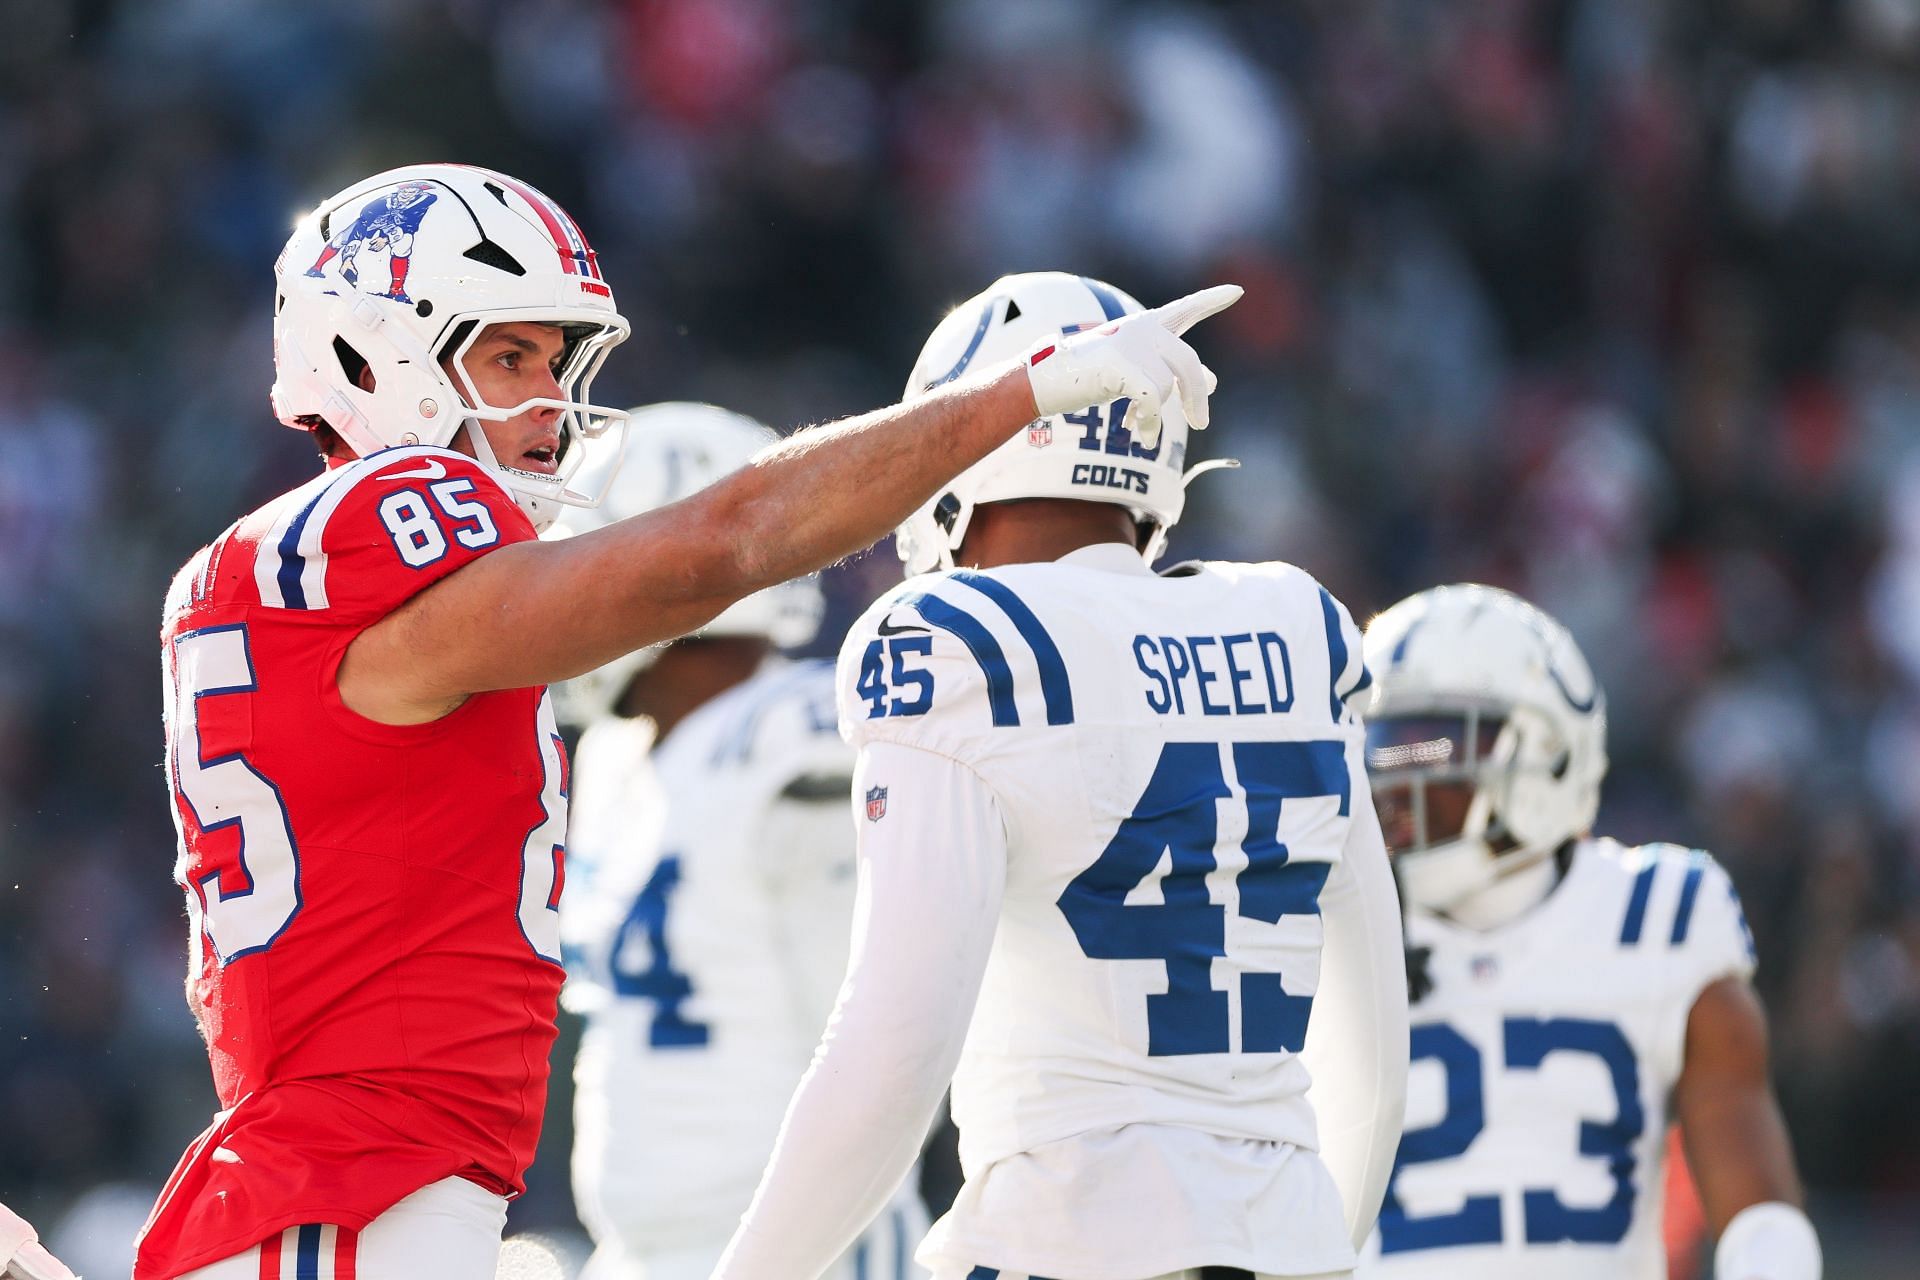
705	928
368	781
1118	863
1568	990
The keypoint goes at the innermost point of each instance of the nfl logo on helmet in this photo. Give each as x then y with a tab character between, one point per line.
876	803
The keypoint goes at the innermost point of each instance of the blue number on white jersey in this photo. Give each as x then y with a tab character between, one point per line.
1178	813
905	674
646	926
1527	1044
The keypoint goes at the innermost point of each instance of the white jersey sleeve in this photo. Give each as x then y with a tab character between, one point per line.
1356	1045
928	671
1684	903
932	869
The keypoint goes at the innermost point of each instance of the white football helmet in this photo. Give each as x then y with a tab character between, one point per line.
1085	455
1473	684
404	270
675	450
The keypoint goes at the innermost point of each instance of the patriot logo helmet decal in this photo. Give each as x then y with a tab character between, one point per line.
385	225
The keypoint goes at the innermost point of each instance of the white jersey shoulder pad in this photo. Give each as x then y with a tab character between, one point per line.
290	568
1677	899
779	724
945	657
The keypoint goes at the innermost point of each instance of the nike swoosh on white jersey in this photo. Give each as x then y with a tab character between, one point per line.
433	470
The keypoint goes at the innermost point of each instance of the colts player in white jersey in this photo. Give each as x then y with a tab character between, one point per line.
1119	865
1572	995
705	925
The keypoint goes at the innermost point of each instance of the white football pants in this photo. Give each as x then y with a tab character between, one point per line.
449	1231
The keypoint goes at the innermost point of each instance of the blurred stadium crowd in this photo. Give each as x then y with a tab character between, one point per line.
1613	302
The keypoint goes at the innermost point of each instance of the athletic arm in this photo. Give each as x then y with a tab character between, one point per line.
1735	1138
533	613
1356	1044
536	612
932	871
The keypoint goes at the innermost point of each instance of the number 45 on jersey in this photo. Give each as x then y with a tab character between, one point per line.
1178	815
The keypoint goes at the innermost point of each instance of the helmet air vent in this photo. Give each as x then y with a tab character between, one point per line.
1013	312
352	363
489	254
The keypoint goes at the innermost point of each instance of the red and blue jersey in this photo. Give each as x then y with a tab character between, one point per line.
374	907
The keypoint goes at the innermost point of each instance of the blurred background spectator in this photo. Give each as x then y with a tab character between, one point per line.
1613	302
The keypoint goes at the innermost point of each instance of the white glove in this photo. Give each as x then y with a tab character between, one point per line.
21	1257
1140	357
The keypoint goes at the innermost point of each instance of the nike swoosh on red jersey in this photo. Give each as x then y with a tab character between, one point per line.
433	470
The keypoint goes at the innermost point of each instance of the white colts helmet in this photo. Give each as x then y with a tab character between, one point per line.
1084	455
677	449
1473	684
407	268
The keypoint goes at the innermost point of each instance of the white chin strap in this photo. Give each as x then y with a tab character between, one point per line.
1519	887
541	497
1435	879
1464	879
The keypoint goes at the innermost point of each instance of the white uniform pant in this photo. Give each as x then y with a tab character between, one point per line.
449	1231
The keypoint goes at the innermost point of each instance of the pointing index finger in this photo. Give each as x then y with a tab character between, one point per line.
1182	314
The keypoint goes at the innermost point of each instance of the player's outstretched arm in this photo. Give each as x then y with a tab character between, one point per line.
1356	1044
1737	1143
533	613
932	872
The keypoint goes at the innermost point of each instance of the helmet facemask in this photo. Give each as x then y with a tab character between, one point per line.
586	429
407	269
1445	783
1467	654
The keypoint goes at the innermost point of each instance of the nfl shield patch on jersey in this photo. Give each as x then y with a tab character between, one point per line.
876	803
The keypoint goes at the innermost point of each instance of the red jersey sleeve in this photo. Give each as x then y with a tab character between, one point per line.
382	529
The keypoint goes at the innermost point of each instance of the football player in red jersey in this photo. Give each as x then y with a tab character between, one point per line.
368	783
